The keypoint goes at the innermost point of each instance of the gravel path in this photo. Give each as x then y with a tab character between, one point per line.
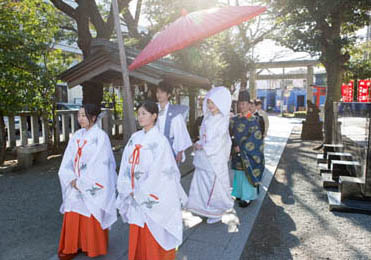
295	222
30	221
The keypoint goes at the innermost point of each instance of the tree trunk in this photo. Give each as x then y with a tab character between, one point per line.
243	85
2	139
92	93
334	78
252	82
56	143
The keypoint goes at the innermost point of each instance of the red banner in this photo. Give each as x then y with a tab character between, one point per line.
364	90
347	91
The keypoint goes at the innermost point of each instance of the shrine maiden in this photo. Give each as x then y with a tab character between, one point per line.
150	192
210	190
88	180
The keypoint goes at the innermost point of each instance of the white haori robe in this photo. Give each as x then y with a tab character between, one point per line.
149	171
178	131
89	159
210	192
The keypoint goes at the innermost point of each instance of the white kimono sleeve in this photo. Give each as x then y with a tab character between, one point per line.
179	131
123	182
66	170
266	122
215	135
124	201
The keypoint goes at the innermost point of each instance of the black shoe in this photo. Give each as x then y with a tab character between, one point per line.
238	199
244	204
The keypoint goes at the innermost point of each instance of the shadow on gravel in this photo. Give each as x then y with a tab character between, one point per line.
267	240
294	216
358	219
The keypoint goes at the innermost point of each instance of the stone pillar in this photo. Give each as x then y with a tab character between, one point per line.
11	132
23	130
45	128
309	83
107	122
34	128
74	123
252	83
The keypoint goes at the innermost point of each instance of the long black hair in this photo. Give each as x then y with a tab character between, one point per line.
150	107
91	110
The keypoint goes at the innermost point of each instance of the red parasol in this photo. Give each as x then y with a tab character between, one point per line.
192	27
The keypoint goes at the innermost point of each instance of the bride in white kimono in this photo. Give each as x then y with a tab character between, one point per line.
88	180
210	190
150	192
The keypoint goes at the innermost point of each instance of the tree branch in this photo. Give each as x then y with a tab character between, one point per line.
131	24
137	11
96	19
65	8
110	20
84	35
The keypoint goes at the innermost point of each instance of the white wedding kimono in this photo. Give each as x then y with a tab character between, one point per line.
149	171
210	190
89	159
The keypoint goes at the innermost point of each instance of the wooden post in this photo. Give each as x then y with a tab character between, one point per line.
128	107
110	123
65	127
57	131
192	110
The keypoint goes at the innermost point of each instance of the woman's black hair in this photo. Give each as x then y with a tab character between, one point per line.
150	107
91	110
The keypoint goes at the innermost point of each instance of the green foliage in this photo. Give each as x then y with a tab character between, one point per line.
112	100
28	64
359	65
311	25
325	28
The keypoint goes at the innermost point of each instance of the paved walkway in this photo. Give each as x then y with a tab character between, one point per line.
224	240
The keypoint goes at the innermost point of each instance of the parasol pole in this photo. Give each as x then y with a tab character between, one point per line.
127	104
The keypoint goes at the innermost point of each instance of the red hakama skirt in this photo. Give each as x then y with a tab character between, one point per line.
143	246
80	232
